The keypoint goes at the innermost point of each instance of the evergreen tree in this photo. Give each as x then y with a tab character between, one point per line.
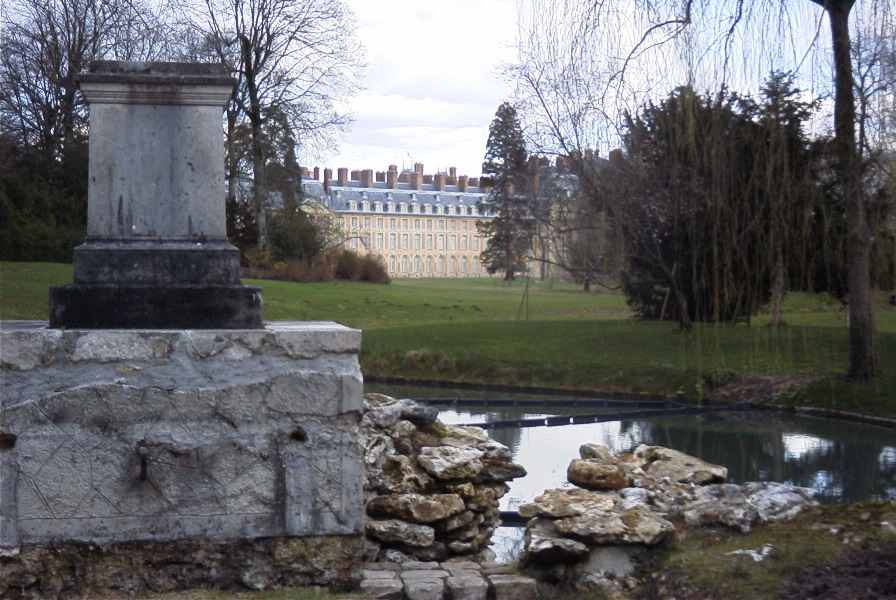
509	233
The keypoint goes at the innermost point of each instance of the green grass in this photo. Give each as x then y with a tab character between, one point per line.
482	331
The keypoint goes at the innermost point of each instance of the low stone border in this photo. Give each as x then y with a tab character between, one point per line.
451	580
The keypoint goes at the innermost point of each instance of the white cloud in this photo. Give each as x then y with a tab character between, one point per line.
432	84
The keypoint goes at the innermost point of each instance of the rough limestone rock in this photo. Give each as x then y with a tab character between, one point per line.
587	539
420	472
567	502
742	507
449	462
416	508
635	526
594	474
544	543
393	530
660	462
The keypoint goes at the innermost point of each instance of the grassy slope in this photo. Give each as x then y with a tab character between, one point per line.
467	330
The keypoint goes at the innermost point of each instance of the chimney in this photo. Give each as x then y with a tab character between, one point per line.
316	173
391	178
440	181
418	168
380	177
616	156
393	168
328	176
342	176
404	177
416	180
452	175
304	172
427	179
367	178
474	182
356	175
462	183
589	155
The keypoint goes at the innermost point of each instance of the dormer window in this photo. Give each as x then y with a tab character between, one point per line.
376	206
469	210
385	207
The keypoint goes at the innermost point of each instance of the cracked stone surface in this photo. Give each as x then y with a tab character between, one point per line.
123	436
449	580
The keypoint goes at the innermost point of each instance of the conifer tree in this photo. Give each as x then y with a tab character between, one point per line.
509	232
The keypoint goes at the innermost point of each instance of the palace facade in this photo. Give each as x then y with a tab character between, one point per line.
421	225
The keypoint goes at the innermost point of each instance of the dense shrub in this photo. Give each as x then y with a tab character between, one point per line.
335	264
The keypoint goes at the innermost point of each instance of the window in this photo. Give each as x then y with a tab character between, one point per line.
392	224
417	242
379	241
404	264
469	210
441	242
475	242
416	223
441	265
457	210
392	264
367	222
463	242
367	242
429	264
391	241
429	224
379	223
364	206
354	222
376	206
453	265
463	266
452	242
475	265
404	241
418	265
385	207
429	242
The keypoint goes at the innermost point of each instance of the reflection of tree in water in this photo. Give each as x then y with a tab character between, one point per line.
509	436
841	460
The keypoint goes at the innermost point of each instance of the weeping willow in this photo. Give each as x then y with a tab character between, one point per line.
724	204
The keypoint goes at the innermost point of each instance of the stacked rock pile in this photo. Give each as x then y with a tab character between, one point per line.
432	490
624	504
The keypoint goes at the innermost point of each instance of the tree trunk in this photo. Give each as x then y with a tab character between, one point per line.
862	359
259	181
777	284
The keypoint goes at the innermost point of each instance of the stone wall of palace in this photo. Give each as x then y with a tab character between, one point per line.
416	245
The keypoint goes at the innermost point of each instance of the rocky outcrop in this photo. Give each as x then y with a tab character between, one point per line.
431	490
626	504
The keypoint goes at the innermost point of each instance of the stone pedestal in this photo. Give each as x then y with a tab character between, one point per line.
233	453
156	253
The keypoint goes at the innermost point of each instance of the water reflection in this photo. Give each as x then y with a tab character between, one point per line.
843	461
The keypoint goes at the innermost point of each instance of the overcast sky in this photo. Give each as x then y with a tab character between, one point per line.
432	84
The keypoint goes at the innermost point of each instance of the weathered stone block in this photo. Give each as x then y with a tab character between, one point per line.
145	435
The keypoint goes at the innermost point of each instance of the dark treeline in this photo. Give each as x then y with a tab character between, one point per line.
724	202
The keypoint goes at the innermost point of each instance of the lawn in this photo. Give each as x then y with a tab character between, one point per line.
554	335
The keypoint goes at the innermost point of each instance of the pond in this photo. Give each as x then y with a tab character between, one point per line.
841	460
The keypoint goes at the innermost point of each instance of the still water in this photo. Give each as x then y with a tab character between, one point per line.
842	461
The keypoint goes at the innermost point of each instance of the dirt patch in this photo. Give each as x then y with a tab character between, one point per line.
760	388
867	574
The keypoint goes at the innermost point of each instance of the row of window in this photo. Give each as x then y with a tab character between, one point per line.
421	242
433	265
405	224
423	209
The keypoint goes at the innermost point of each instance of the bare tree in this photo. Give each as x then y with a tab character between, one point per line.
299	57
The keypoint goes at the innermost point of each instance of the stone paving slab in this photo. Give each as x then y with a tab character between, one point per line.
450	580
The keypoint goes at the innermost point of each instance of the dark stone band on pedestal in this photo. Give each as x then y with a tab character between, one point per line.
98	306
157	263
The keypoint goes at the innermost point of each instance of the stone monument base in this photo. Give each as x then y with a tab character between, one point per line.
162	459
99	306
